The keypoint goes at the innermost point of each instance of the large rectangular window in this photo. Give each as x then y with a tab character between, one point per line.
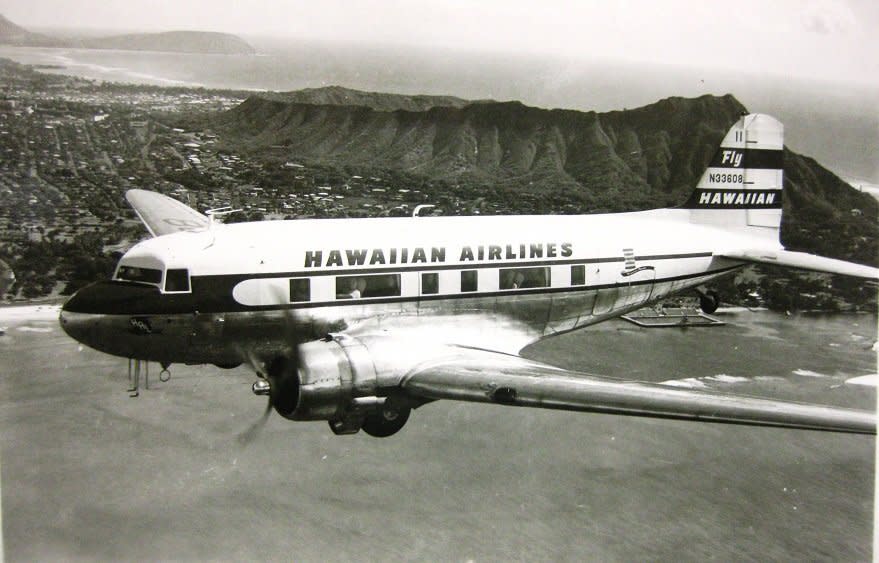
358	287
523	278
468	280
300	289
578	275
429	283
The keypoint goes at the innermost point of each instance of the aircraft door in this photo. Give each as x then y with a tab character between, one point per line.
639	287
636	282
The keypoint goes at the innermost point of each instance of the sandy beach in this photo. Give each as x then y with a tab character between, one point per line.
14	315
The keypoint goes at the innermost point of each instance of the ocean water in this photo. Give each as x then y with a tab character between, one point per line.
90	474
838	124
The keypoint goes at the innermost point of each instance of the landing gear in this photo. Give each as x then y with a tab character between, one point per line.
136	367
709	301
165	374
386	422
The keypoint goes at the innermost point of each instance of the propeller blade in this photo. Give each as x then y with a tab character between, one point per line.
283	370
246	437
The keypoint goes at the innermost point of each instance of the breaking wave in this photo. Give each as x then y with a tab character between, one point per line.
869	380
808	373
702	382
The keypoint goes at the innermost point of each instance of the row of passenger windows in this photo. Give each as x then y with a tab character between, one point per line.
368	286
388	285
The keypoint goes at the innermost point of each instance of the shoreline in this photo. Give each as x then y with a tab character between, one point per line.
57	60
11	315
61	61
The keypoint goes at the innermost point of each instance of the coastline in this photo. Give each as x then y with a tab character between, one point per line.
63	61
11	315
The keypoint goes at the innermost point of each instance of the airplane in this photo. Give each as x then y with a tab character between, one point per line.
357	322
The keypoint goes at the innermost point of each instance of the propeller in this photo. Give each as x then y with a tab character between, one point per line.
249	435
277	380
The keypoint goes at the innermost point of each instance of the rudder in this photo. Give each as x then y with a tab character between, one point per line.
741	188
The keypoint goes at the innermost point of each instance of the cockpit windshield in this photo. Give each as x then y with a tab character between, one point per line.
142	275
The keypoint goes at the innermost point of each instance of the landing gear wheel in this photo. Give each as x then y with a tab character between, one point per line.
385	423
709	302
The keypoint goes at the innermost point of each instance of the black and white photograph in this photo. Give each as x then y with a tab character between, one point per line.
437	280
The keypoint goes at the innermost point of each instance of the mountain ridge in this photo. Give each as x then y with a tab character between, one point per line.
496	140
207	42
379	101
14	34
641	158
185	41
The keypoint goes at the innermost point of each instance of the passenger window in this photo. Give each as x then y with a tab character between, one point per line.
356	287
429	283
300	289
176	281
578	275
522	278
468	280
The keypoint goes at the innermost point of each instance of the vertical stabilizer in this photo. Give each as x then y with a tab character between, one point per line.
741	189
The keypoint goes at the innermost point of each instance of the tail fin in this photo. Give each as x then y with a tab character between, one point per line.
741	192
741	189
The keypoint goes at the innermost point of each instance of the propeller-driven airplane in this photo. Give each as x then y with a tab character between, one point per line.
359	321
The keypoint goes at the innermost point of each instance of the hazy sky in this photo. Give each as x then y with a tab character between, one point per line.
825	39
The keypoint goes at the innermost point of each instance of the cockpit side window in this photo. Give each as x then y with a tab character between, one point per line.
176	280
142	275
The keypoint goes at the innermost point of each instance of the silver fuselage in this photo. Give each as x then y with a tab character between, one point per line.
499	281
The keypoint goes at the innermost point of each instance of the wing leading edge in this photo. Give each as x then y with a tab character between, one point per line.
489	377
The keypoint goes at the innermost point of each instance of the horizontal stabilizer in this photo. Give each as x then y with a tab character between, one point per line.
163	215
804	261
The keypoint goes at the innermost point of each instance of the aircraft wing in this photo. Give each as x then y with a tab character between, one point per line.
490	377
804	261
163	215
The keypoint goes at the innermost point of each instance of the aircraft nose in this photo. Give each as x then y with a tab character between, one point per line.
78	326
113	298
79	318
99	316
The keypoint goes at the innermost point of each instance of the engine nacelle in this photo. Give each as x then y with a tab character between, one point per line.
330	377
337	379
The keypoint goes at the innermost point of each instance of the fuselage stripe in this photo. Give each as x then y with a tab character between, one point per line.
459	266
467	295
214	294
